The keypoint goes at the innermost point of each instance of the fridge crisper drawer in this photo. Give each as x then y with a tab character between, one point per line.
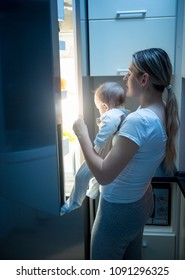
105	9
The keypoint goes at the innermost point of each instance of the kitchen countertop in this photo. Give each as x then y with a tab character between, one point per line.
181	181
173	177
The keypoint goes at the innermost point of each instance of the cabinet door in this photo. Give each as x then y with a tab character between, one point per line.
106	9
158	247
30	149
112	42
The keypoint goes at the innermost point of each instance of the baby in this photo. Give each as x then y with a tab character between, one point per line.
109	99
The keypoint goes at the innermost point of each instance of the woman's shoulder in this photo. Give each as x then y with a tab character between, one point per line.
142	120
141	114
137	115
138	120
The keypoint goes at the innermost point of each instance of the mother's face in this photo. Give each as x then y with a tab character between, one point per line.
133	83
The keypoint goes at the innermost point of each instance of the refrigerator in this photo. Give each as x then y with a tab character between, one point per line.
39	99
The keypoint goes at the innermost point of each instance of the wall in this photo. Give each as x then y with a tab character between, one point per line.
180	92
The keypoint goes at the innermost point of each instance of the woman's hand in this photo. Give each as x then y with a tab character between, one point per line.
80	128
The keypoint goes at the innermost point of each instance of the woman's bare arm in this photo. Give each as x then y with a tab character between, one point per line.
105	170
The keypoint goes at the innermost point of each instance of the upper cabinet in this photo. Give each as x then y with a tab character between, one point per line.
119	28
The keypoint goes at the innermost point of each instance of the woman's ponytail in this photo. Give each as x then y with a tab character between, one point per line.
172	125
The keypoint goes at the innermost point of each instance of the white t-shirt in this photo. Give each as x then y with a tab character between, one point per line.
144	128
108	125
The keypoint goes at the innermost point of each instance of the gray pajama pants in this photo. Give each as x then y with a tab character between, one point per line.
118	228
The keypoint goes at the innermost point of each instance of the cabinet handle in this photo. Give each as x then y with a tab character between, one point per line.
134	13
122	71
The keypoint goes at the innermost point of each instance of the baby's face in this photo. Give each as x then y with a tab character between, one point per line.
101	106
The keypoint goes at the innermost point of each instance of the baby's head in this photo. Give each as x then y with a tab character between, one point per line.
109	95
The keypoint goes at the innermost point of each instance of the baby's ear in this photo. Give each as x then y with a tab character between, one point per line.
106	106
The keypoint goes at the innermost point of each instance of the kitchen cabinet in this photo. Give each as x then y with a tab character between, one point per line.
119	28
160	233
158	246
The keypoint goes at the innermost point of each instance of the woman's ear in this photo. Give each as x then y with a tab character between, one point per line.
145	79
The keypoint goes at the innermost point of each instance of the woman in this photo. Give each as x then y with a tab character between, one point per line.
146	138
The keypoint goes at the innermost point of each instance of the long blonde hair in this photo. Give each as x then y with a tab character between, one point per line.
156	63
